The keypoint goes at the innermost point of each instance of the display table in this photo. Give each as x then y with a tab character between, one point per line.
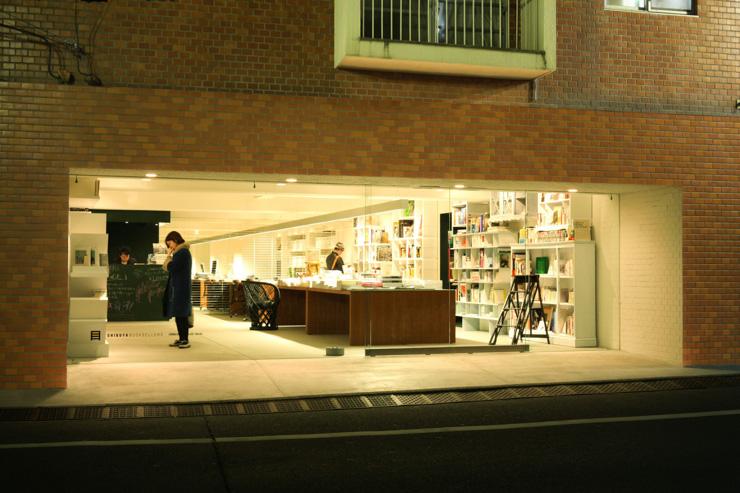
372	316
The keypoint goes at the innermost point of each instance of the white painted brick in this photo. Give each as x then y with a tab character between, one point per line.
651	274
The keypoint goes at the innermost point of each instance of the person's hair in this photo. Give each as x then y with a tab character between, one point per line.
124	250
174	236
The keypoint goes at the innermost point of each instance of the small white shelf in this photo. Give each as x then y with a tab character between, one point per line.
549	227
506	217
89	271
484	247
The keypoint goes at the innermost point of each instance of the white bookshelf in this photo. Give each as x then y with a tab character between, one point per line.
88	302
557	214
483	283
508	206
397	244
568	289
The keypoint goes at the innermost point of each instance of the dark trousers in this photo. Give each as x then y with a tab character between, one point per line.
182	327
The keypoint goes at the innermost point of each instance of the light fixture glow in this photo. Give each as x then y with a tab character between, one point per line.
197	231
146	179
280	184
459	185
291	180
572	190
151	175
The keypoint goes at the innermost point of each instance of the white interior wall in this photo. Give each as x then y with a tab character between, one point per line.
605	220
651	282
200	252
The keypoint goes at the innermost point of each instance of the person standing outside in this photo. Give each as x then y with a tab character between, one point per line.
334	259
177	302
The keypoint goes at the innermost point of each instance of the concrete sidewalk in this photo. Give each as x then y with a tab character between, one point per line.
229	362
207	381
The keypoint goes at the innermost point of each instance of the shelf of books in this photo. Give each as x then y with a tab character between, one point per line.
522	233
480	270
399	243
88	277
565	269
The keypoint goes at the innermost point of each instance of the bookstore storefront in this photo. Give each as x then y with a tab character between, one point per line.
288	268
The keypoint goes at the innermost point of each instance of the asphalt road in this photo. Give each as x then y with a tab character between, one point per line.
685	440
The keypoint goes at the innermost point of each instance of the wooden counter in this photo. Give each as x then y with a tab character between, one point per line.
372	316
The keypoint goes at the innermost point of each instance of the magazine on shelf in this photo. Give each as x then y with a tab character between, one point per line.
81	257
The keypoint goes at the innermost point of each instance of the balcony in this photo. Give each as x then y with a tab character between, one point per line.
504	39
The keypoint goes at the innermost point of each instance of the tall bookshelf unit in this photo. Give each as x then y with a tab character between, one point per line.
401	243
567	288
88	302
491	242
482	275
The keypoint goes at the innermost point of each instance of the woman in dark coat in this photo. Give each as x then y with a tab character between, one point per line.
177	302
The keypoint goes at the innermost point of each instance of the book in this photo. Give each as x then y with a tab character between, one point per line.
80	257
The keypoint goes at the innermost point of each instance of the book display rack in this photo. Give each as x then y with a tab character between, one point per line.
517	234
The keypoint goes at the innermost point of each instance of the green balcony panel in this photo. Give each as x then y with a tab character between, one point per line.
506	39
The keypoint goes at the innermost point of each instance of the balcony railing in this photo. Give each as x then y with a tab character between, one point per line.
493	24
510	39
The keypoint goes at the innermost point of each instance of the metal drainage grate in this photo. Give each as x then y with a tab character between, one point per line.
360	401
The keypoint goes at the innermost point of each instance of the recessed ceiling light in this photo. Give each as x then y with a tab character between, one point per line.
126	222
459	185
280	184
291	180
572	190
151	175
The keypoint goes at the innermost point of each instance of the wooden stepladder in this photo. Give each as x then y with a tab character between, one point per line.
523	307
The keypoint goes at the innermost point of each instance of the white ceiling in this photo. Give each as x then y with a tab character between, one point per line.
204	208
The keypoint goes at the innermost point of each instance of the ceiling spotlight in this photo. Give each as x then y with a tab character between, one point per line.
572	190
459	185
151	175
291	180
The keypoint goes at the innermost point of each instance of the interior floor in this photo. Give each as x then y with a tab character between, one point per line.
216	337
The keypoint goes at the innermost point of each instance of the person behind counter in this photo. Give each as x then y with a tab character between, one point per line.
334	259
124	256
177	302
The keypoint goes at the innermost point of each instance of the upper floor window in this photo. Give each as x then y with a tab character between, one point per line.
666	6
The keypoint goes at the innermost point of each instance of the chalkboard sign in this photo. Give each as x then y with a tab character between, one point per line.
135	292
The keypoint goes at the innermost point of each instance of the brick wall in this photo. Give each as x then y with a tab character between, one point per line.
606	59
239	86
606	233
46	130
650	274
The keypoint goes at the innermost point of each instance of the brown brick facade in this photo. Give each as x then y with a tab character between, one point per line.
231	97
606	59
